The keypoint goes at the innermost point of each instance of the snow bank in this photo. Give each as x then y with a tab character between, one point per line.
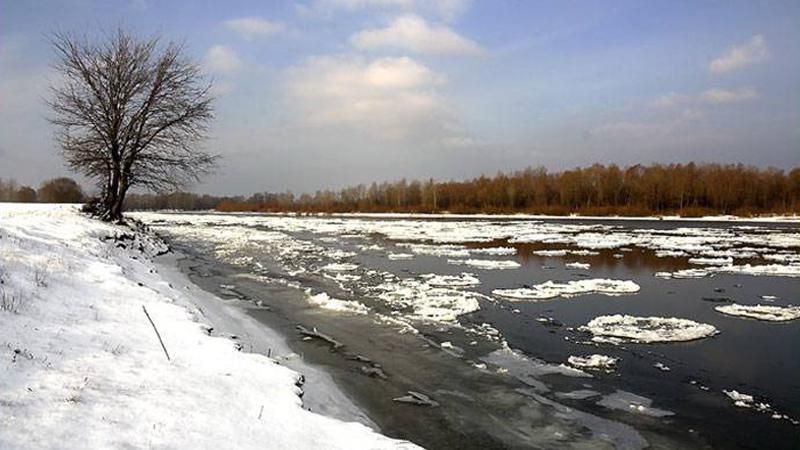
83	367
761	312
624	328
551	289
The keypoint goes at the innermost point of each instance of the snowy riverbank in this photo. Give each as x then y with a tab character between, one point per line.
82	366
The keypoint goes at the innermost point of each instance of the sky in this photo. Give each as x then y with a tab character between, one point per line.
314	94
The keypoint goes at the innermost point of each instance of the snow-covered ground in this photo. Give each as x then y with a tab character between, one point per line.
83	367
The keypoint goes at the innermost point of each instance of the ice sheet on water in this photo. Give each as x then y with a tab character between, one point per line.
711	261
768	313
684	274
552	289
452	281
449	250
578	266
340	267
632	403
594	362
549	252
486	264
494	251
775	270
324	301
647	329
422	301
529	369
400	256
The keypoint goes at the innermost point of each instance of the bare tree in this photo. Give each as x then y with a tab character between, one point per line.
130	112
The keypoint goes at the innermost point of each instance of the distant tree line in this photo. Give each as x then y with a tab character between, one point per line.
687	189
56	190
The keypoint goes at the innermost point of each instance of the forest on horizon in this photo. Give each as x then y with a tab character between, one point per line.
687	189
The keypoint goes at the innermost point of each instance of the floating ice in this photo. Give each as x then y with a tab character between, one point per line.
775	270
400	256
488	264
627	401
661	366
452	281
647	329
769	313
495	251
449	250
551	289
550	252
427	302
324	301
594	362
578	265
739	399
340	267
684	274
711	261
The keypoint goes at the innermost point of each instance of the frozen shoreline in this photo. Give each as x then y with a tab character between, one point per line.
83	366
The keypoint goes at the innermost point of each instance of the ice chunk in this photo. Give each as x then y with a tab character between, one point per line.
647	329
683	274
400	256
627	401
578	265
711	261
324	301
594	362
340	267
768	313
452	281
495	251
426	302
551	289
550	252
488	264
775	270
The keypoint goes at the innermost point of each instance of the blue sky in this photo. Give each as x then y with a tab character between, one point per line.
327	93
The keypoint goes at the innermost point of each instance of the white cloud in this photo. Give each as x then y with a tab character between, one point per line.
413	33
254	27
719	96
445	9
387	98
222	59
736	57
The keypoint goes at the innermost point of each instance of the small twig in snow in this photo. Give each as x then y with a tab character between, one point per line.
158	335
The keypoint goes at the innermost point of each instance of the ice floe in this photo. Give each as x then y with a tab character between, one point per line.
487	264
340	267
627	401
324	301
711	261
684	274
775	270
552	289
452	281
770	313
624	328
578	265
494	251
594	362
400	256
426	302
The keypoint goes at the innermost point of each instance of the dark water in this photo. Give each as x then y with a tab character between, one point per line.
499	407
